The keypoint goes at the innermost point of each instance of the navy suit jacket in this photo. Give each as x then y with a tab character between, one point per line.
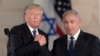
21	42
86	45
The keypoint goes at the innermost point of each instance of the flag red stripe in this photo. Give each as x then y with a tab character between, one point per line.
59	31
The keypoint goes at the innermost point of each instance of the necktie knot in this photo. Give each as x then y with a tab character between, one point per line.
34	32
71	38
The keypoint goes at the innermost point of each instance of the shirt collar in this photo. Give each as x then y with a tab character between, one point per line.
76	35
32	29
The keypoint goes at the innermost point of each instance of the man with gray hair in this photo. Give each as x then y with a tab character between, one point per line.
75	42
27	39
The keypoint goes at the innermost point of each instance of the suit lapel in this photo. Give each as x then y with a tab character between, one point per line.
40	32
64	45
79	45
27	34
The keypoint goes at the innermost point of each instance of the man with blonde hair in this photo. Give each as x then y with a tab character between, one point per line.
27	39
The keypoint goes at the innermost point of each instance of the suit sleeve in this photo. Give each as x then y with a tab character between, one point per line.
55	51
96	48
46	36
45	51
18	48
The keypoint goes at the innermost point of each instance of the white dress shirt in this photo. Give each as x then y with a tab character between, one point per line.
31	30
74	40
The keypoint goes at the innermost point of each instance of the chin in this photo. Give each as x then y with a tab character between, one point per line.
70	33
34	26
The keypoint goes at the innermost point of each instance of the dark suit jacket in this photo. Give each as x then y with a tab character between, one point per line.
21	42
86	45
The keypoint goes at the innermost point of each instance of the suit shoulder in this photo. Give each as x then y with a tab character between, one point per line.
89	35
61	38
18	27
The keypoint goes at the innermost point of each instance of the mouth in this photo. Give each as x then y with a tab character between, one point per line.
69	29
35	21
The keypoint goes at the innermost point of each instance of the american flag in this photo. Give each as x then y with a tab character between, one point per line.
60	6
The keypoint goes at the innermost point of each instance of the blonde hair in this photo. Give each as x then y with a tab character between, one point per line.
32	6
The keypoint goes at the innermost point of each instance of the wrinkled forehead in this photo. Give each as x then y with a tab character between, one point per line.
70	16
71	13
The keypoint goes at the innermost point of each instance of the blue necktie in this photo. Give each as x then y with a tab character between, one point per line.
70	47
34	33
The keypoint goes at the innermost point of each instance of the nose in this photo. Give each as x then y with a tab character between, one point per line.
35	16
69	24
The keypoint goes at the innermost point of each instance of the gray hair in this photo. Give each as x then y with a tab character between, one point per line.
71	12
32	6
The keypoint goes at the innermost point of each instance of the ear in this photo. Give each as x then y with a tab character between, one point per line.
80	21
